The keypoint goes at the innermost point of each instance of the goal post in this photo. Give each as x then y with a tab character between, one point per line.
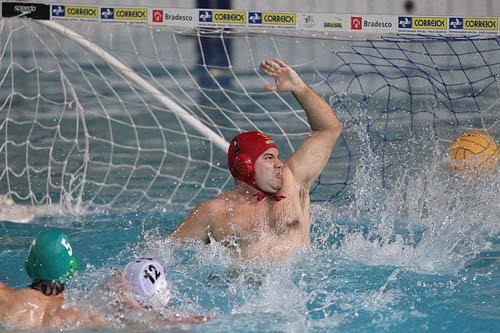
125	108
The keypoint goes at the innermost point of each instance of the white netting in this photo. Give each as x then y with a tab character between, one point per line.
76	130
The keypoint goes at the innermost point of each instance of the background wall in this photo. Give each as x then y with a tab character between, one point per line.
416	7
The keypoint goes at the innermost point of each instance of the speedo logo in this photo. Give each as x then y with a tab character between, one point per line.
279	18
434	23
24	9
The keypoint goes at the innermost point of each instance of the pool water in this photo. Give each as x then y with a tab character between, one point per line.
352	279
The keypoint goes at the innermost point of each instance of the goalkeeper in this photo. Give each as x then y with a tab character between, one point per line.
267	214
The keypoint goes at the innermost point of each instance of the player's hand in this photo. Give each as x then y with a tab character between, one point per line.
285	78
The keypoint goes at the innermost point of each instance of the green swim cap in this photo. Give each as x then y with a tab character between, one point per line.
51	257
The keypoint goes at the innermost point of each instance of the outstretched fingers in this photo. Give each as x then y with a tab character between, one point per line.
273	67
270	72
281	63
285	78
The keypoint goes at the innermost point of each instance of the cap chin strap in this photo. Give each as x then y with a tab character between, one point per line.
262	195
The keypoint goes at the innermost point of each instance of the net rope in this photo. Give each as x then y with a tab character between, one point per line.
77	132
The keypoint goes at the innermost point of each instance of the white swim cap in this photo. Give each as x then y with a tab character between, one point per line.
147	277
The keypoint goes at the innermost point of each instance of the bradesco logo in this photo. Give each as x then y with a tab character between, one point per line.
229	17
356	23
178	17
376	24
479	23
174	17
429	23
279	18
157	15
131	14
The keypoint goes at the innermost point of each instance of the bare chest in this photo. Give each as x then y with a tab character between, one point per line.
250	222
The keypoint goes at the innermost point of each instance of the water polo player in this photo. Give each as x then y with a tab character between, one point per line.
50	265
267	213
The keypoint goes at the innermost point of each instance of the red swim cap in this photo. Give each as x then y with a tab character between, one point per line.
244	149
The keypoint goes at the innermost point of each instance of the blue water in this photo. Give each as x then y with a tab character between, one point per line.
318	289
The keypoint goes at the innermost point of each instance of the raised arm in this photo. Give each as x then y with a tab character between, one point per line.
195	225
307	162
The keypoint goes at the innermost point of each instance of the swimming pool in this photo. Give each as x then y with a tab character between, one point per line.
342	283
416	250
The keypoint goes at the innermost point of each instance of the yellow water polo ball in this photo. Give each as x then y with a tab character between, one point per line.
474	152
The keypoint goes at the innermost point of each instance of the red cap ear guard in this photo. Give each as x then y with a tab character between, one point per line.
244	166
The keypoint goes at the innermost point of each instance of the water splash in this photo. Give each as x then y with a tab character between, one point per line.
424	219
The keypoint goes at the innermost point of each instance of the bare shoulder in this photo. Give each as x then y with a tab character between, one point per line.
197	223
214	203
16	299
225	198
210	208
22	294
3	286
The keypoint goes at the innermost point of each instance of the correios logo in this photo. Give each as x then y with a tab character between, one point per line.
205	16
481	23
430	23
255	17
88	12
356	23
405	22
58	11
131	14
456	23
229	17
157	15
107	13
274	18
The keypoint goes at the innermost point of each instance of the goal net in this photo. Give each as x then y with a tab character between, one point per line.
137	116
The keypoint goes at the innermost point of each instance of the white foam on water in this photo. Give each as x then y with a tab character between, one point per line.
14	212
424	218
